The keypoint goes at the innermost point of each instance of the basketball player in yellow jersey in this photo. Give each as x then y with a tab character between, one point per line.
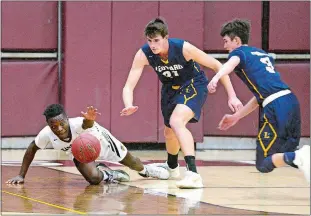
61	131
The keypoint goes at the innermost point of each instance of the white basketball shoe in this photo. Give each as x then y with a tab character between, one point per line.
174	173
155	172
190	181
302	160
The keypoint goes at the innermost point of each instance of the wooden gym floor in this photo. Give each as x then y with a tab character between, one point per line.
232	187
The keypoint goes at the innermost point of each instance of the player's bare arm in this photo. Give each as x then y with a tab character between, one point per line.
139	62
225	70
28	158
89	117
229	120
192	52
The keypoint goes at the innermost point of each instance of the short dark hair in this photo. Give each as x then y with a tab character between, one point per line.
53	110
156	27
237	27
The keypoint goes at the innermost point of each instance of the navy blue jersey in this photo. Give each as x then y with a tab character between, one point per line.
256	69
176	70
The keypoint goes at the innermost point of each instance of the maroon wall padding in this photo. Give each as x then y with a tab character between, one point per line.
129	21
188	25
217	106
289	27
184	23
87	58
217	13
297	76
27	88
29	25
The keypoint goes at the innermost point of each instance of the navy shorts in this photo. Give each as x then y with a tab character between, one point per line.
193	94
279	127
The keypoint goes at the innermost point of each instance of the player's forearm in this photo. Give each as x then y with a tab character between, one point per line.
87	124
248	108
226	69
225	80
28	158
127	96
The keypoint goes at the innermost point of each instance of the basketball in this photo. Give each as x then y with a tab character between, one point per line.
86	148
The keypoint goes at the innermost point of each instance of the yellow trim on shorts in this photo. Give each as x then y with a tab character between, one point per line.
272	141
192	96
196	67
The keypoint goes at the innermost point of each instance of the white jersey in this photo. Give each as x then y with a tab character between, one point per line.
111	148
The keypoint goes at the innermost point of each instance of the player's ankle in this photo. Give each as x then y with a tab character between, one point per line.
172	160
143	171
190	161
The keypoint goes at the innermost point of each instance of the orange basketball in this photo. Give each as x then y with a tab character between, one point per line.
86	148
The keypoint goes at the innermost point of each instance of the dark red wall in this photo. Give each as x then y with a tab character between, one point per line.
127	37
29	25
27	88
289	26
216	13
87	58
100	41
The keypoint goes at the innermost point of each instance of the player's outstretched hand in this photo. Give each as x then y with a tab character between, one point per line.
212	85
235	104
90	114
227	122
16	180
129	110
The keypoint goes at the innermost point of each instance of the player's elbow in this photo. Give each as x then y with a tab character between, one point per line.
94	180
128	88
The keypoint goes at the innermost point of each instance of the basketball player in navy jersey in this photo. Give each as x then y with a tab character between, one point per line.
280	122
183	93
61	131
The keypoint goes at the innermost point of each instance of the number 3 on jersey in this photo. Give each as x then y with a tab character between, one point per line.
269	66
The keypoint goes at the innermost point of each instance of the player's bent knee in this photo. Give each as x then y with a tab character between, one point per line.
176	123
265	166
263	169
94	181
169	134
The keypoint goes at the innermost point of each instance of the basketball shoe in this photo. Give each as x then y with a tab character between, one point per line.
174	173
114	176
190	181
302	160
155	172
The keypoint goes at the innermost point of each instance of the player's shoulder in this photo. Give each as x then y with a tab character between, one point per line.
176	40
250	49
77	121
45	133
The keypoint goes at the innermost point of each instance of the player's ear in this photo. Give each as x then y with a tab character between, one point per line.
166	37
237	40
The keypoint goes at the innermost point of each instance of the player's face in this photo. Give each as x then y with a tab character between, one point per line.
60	126
229	44
157	44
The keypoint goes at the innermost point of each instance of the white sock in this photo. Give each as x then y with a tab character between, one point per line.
143	171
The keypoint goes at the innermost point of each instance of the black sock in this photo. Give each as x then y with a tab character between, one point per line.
190	161
172	160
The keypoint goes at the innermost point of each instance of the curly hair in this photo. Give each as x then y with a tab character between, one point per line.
53	110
